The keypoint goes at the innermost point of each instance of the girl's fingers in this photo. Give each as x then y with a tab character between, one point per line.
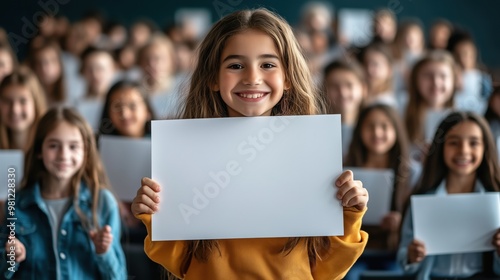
145	181
344	177
143	204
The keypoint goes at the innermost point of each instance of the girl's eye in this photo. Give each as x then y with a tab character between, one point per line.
235	66
52	146
73	147
452	143
268	65
474	143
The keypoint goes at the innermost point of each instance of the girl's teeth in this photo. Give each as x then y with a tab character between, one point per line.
251	95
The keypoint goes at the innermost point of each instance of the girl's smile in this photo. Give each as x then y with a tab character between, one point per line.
251	77
463	148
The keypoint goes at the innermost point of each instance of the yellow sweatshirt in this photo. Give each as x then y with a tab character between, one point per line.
262	258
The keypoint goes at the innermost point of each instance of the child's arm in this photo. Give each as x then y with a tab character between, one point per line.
109	255
345	250
167	253
411	252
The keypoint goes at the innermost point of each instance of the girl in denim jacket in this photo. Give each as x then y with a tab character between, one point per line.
63	223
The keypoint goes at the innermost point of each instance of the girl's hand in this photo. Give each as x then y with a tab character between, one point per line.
102	239
496	241
19	249
147	198
391	221
416	251
351	192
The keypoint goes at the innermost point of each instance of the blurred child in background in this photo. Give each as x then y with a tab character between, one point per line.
463	160
345	89
431	89
22	104
378	62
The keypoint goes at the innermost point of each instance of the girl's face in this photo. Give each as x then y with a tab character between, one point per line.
6	64
48	66
463	148
128	112
157	62
251	78
344	90
414	39
435	83
99	71
385	28
378	133
63	151
17	107
378	68
439	36
466	54
139	34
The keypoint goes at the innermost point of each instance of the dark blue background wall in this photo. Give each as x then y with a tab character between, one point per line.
479	16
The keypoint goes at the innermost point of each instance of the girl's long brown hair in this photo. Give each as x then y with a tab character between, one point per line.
416	108
434	168
91	172
302	98
22	76
398	154
41	44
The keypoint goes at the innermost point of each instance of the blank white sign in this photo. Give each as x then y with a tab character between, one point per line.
379	183
126	161
11	162
247	177
456	223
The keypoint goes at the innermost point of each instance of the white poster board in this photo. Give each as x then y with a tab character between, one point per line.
456	223
126	161
379	183
247	177
11	167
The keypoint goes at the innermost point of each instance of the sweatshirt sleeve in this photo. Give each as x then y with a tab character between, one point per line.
344	250
167	253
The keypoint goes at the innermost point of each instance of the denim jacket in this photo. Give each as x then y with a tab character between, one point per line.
75	250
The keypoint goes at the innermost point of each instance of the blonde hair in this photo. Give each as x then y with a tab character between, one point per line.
301	99
23	76
91	172
416	108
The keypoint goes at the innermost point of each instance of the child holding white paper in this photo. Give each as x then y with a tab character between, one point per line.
22	104
250	64
462	159
67	223
126	111
345	88
432	85
380	142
